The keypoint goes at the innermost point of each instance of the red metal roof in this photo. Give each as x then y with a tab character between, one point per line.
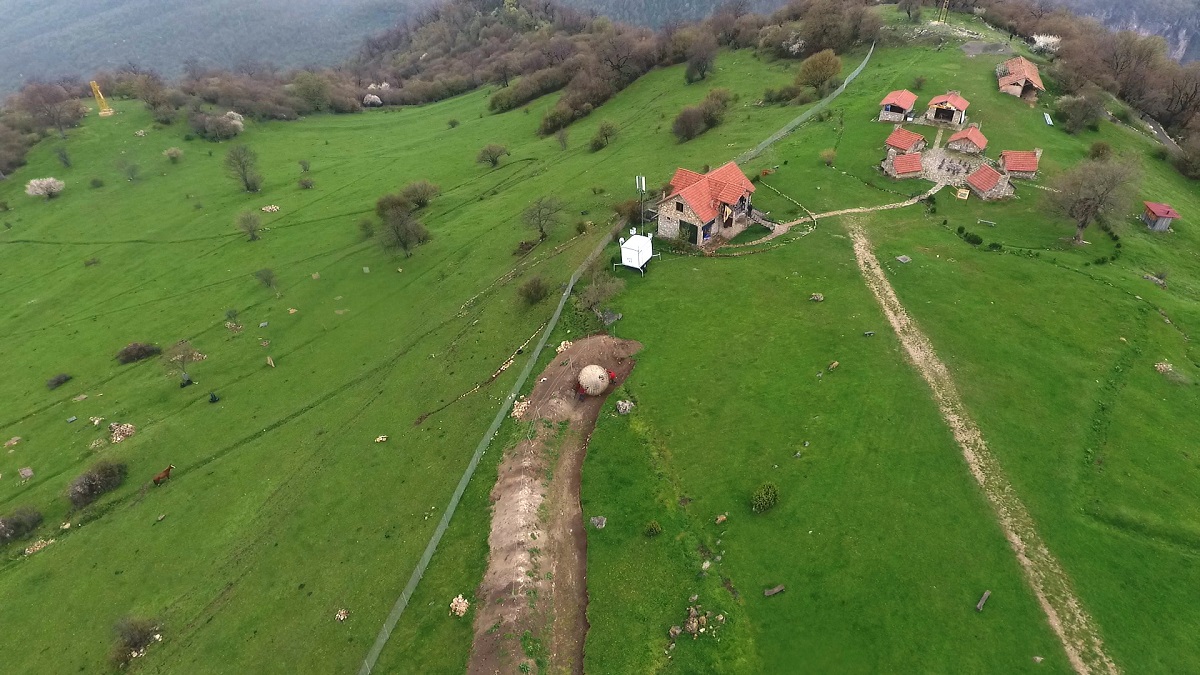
904	140
705	193
1025	161
907	163
902	98
1161	210
972	134
953	99
1020	71
985	178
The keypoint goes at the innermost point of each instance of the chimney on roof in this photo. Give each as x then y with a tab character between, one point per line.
1037	152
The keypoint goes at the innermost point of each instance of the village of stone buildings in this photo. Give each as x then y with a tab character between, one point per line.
708	210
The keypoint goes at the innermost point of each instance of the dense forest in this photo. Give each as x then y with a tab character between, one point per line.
1178	21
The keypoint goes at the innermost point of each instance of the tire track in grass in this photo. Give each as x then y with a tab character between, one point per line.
1075	629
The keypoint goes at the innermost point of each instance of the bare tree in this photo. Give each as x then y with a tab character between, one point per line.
266	277
1092	190
912	8
491	154
249	223
420	193
700	56
50	105
182	353
401	230
543	215
242	163
605	133
563	139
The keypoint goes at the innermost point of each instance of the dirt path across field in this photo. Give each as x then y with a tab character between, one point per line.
536	576
1071	623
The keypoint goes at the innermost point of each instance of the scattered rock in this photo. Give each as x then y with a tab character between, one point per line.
96	421
1150	277
773	591
562	347
904	259
12	441
624	407
270	362
694	598
38	545
599	522
833	366
520	406
366	270
869	333
381	439
292	310
264	324
1163	367
459	606
160	517
721	618
64	526
96	444
342	614
706	564
72	418
81	397
674	632
722	518
1038	659
817	297
233	327
316	275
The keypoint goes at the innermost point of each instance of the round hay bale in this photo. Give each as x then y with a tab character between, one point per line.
593	380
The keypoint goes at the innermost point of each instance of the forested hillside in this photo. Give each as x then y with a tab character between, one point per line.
1176	20
53	38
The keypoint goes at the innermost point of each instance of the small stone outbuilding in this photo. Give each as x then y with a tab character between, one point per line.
1020	163
897	106
969	141
1158	217
904	166
699	207
902	141
949	108
988	183
1019	77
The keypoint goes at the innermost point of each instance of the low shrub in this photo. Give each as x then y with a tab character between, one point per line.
764	498
89	486
995	246
57	381
133	635
305	166
1100	150
653	529
96	182
1102	260
306	183
366	228
961	230
534	291
19	523
452	123
137	351
173	154
3	206
91	262
581	227
972	238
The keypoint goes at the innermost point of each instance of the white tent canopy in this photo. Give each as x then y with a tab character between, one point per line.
637	250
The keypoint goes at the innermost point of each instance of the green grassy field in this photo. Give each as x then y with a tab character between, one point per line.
283	510
1054	355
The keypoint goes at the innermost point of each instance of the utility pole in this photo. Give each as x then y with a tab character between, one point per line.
640	184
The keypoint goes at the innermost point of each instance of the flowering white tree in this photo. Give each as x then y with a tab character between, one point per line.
372	101
1046	44
44	187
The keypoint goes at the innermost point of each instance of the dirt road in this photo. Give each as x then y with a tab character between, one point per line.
1045	575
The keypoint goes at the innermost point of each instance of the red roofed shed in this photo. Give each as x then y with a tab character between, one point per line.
985	182
1020	78
897	106
907	166
1020	163
903	140
970	140
1158	217
949	107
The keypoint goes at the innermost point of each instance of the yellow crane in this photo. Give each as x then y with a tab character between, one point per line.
105	109
944	12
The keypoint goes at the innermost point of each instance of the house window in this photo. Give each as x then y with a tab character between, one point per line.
679	206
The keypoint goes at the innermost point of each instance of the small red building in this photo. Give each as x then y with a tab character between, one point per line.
1158	217
897	106
904	141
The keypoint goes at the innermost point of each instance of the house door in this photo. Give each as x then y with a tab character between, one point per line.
943	114
688	232
707	232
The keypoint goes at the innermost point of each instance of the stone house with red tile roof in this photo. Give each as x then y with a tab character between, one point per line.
904	166
988	183
699	207
897	106
1019	77
970	141
1020	163
903	141
949	108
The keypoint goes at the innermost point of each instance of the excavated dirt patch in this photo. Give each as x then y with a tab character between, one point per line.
536	575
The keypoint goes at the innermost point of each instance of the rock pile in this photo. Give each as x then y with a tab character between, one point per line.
459	606
119	431
562	347
271	208
1163	367
342	614
624	407
520	406
38	545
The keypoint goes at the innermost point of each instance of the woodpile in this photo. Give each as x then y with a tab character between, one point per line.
119	432
459	606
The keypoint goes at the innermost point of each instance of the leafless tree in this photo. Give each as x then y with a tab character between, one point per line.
249	223
242	163
1094	189
50	105
401	230
491	154
543	215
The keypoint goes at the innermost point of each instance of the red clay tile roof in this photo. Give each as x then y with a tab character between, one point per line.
985	178
907	163
705	193
1020	71
1161	210
1025	161
952	98
972	134
902	98
903	139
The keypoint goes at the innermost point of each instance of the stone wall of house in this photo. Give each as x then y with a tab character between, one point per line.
669	217
1013	89
1026	175
964	146
885	116
1000	191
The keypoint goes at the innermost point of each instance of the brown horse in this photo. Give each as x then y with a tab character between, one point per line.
163	475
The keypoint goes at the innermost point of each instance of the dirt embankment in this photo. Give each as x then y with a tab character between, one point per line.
536	575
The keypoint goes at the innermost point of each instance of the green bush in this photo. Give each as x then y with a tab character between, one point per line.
653	529
534	291
765	497
137	351
972	238
19	523
133	636
57	381
995	246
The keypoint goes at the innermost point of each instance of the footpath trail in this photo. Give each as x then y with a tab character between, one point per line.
1071	623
